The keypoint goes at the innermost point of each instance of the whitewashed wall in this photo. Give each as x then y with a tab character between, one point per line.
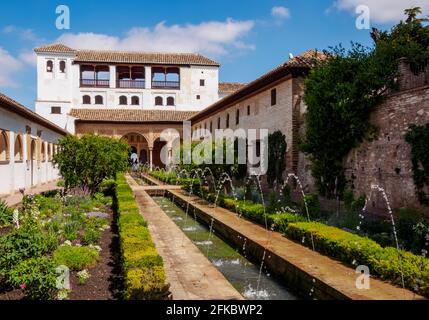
16	173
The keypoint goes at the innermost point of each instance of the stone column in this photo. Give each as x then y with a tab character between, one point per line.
112	71
150	158
148	77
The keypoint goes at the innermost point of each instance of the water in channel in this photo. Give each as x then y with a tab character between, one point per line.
244	275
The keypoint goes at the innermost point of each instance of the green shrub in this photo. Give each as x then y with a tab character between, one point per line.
313	205
142	266
21	244
76	258
349	248
5	214
107	187
36	276
406	223
91	235
70	230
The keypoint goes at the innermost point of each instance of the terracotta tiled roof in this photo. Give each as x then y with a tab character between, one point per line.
56	48
230	87
104	56
13	106
130	115
296	65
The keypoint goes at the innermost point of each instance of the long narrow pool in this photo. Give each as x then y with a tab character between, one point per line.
246	277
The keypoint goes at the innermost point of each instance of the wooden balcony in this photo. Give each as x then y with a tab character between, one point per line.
93	83
131	84
166	85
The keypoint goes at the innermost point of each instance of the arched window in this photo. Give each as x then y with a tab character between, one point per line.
49	66
62	66
135	101
43	151
159	101
86	99
4	147
19	155
170	101
98	99
123	101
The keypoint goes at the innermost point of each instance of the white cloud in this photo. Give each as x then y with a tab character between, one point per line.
213	38
384	11
23	34
280	12
8	66
29	57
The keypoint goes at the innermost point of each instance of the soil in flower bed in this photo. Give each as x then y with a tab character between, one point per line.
105	282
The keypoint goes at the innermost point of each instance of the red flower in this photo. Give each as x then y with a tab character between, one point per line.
23	286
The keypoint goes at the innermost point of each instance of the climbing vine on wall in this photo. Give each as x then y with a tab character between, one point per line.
342	90
418	138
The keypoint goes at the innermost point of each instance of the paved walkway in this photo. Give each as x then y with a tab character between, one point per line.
331	272
16	198
190	274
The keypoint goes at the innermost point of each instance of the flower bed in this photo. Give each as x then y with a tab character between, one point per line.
347	247
51	231
142	266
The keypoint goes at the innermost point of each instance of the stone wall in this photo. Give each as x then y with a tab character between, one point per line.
386	161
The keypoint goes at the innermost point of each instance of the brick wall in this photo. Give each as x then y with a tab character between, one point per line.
386	161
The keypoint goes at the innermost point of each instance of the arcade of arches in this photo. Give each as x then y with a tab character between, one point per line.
144	138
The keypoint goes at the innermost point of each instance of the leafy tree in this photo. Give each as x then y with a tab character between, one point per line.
234	169
276	157
86	161
342	90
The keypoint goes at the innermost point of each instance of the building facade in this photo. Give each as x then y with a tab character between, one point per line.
27	145
70	79
273	102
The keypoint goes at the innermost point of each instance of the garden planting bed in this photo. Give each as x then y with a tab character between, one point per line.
78	232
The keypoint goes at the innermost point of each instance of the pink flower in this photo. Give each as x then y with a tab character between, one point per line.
23	286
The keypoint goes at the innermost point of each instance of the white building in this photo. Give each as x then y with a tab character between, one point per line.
87	79
27	145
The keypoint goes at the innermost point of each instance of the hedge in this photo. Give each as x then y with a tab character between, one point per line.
347	247
143	269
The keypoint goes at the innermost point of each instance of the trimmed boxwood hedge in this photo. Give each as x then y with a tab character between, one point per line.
347	247
143	269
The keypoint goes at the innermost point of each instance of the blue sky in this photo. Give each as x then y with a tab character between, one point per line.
247	37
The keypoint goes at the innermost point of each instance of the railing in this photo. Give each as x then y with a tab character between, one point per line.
131	84
94	83
166	84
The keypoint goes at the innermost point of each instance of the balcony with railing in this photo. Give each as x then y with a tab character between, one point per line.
130	84
94	83
94	76
165	84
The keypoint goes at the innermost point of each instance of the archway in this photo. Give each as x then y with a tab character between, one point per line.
157	155
138	144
